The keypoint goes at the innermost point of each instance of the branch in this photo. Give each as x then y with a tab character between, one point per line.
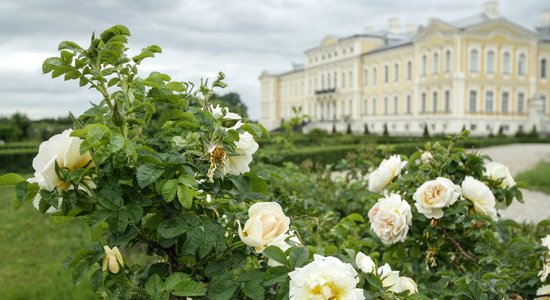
465	253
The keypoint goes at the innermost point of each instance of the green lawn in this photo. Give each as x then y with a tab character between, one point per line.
537	178
32	249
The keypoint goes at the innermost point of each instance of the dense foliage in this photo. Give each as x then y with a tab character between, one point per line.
176	207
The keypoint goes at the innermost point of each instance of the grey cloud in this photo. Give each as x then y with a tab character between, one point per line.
199	37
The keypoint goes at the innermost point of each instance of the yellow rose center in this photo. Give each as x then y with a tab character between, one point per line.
328	291
433	193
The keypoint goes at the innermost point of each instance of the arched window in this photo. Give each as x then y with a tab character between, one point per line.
322	81
489	101
374	76
423	108
505	102
350	78
366	77
409	104
335	79
491	62
385	105
343	79
474	54
522	64
373	106
506	63
396	70
366	107
447	101
435	102
386	74
329	82
543	68
395	105
409	70
448	61
473	101
521	102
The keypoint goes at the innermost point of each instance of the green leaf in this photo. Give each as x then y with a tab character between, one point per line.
188	180
189	288
275	253
221	288
169	190
374	281
10	179
185	196
50	64
147	174
68	45
153	286
297	256
275	275
114	31
174	279
173	227
176	86
254	290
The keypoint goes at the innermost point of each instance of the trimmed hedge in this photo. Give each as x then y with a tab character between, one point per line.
17	160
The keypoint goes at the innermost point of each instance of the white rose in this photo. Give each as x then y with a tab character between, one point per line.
544	290
281	243
389	278
404	284
244	148
390	219
223	112
388	170
266	221
364	263
480	195
65	150
426	157
497	171
112	260
325	278
432	196
546	241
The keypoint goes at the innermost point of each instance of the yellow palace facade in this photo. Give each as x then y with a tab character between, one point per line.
483	73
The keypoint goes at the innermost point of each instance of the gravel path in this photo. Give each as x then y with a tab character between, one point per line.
519	158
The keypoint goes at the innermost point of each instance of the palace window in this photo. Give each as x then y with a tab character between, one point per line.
366	77
343	79
521	102
521	64
447	101
473	102
543	103
366	107
335	81
434	107
350	78
329	81
505	101
395	105
396	70
374	76
474	56
491	62
436	63
423	108
543	68
374	106
448	61
424	65
322	81
386	74
489	101
385	105
409	104
506	63
409	70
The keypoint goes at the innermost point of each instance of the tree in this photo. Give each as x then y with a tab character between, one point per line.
366	132
231	101
386	132
23	122
426	133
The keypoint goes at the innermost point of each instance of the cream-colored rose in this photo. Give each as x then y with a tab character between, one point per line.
434	195
545	241
388	170
325	278
364	263
480	195
404	284
497	171
219	112
112	260
544	290
281	243
266	221
64	150
389	278
390	219
238	163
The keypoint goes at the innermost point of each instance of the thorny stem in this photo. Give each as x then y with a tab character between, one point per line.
465	253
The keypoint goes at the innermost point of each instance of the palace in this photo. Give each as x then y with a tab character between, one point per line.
483	73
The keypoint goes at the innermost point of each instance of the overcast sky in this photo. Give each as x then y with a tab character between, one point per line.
198	38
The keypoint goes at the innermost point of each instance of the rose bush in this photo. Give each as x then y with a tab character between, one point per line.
177	207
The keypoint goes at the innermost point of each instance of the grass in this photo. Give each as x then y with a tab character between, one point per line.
537	178
32	250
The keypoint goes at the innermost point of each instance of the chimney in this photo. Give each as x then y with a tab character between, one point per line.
490	9
393	25
544	18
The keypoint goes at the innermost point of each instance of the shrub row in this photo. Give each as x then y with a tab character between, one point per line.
17	160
